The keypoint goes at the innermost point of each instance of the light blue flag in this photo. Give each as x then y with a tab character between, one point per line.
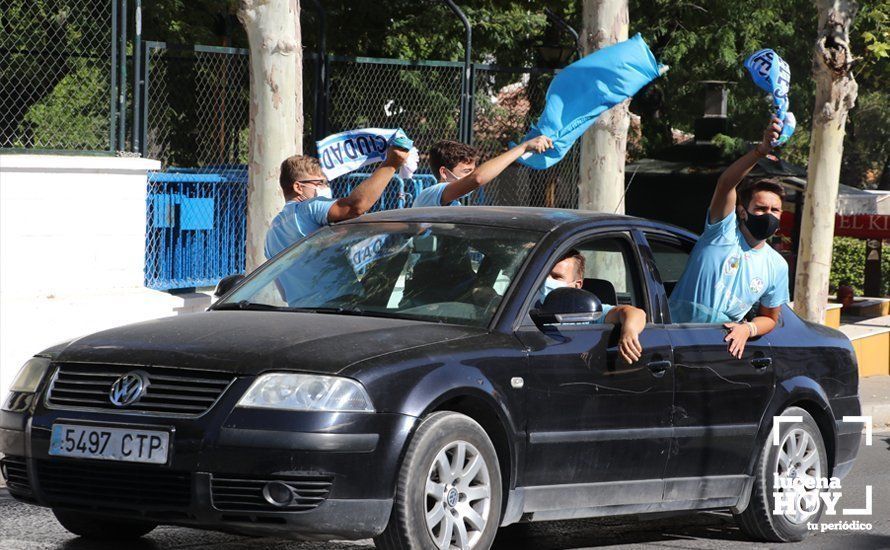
583	90
772	75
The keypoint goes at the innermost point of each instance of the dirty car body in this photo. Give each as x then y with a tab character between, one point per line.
578	433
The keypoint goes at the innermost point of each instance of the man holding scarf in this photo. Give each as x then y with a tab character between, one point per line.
731	267
308	203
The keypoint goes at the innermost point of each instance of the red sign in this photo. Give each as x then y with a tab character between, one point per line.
860	226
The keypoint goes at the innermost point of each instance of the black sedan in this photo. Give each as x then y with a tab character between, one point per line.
404	377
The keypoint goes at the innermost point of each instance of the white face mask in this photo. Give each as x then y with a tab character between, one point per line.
324	192
550	284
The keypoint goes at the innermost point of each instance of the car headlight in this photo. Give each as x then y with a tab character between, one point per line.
307	392
25	384
30	375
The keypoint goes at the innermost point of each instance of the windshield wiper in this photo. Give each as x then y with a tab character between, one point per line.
344	311
247	305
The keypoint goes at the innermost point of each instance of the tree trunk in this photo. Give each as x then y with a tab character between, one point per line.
603	146
276	109
835	96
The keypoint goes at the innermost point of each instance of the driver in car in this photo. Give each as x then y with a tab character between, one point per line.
569	272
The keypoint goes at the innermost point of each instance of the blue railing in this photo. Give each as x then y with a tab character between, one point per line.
195	226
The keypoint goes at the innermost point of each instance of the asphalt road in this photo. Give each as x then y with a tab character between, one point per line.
25	527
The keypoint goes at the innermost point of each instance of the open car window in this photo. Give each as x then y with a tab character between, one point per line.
437	272
610	271
671	256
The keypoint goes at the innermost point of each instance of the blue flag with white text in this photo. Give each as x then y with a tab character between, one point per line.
772	74
348	151
583	90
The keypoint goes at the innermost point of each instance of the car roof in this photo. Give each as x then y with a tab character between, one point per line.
511	217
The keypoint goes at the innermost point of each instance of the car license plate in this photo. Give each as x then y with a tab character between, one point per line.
122	444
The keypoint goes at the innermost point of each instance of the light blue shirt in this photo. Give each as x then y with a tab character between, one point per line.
602	319
296	220
725	277
432	196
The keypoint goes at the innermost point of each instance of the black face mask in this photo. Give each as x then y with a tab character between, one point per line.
761	226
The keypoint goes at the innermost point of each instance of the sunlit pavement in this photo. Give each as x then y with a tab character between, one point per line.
24	527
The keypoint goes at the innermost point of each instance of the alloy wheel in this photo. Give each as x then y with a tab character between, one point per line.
458	496
798	471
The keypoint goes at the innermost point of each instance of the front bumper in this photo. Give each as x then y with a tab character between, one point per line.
344	464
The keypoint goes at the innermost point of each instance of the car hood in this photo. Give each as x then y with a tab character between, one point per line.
249	342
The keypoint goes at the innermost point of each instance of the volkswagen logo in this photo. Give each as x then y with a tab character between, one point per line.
127	389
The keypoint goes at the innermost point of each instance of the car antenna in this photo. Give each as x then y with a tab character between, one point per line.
632	176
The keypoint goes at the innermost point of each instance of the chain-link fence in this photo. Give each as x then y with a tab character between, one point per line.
57	74
195	104
421	97
507	100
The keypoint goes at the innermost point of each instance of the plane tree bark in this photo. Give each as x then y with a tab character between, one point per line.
276	109
836	91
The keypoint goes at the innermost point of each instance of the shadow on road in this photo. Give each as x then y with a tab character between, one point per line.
84	544
712	526
553	535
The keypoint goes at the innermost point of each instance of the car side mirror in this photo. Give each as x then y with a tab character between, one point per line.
226	284
568	305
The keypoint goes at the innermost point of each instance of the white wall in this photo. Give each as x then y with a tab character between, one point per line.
72	246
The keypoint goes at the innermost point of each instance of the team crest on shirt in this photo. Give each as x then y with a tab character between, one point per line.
731	265
756	285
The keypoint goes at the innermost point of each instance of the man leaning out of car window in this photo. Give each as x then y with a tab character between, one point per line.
569	272
732	267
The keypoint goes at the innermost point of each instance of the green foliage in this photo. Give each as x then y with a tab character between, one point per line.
730	147
70	116
885	269
504	31
711	40
848	265
50	50
706	40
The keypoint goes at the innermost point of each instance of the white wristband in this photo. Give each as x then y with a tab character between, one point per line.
752	328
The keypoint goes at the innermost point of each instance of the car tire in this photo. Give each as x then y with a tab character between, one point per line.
810	459
101	528
450	475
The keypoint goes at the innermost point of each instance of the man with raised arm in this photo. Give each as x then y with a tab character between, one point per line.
454	165
308	203
732	267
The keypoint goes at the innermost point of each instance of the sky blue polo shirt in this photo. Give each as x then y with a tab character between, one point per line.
432	196
725	277
298	219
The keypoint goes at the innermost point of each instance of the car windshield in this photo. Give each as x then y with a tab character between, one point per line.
428	271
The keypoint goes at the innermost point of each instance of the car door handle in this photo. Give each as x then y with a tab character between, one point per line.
658	368
761	363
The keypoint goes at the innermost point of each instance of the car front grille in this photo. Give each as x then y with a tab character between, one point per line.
170	390
15	470
112	486
230	493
